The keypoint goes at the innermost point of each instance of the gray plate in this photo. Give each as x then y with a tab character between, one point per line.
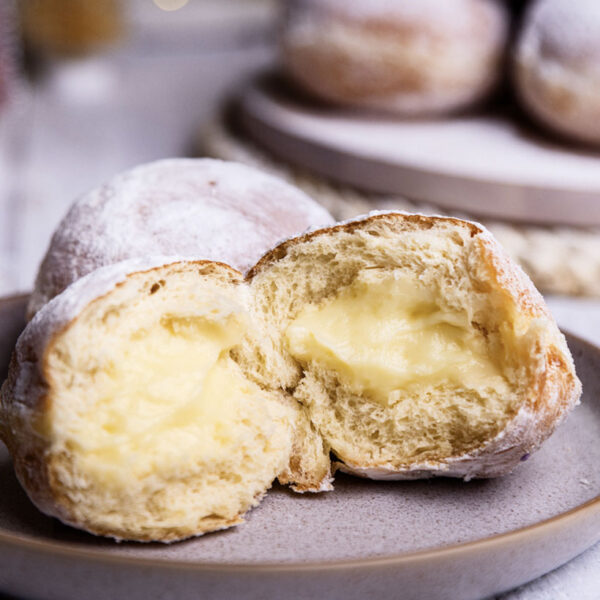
429	539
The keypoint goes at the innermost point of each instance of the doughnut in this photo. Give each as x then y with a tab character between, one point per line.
407	58
217	210
126	416
557	67
417	347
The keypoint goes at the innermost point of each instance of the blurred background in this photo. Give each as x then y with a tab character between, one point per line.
88	89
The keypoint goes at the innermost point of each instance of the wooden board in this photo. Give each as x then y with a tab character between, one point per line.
488	165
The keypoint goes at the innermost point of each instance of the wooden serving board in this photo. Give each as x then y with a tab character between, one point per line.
490	164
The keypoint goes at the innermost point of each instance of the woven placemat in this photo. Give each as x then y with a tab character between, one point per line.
560	260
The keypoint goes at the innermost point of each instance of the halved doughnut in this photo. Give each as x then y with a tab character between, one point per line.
416	346
125	413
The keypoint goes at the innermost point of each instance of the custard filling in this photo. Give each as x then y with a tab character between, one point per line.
385	334
163	399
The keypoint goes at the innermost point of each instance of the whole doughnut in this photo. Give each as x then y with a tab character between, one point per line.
558	67
405	57
216	210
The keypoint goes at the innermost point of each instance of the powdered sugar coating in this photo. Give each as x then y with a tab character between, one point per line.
566	30
433	14
204	208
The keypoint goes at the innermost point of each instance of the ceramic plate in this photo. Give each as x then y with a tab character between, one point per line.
435	539
490	164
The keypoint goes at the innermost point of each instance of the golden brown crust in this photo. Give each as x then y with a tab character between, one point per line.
422	221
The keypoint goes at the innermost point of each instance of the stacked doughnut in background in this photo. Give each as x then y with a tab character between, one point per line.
557	67
409	58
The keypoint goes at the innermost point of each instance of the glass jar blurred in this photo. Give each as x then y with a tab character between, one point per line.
70	27
10	53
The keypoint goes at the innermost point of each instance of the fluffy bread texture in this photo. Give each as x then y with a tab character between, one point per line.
557	66
415	344
408	58
217	210
125	414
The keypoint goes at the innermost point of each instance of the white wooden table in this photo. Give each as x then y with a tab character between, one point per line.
91	118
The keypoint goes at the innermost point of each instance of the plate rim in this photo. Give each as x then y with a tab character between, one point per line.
75	551
70	550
